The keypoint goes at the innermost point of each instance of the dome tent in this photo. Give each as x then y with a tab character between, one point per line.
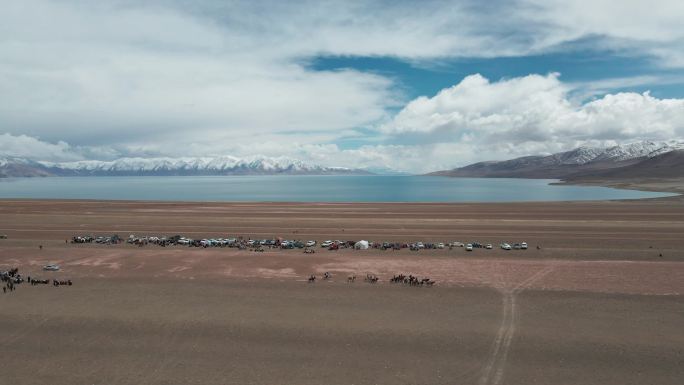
361	245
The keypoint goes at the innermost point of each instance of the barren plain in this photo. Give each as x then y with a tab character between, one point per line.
600	302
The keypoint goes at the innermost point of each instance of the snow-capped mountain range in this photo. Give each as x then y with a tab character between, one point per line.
582	161
224	165
584	155
560	165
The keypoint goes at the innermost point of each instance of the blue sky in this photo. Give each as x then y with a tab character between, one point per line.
410	86
427	78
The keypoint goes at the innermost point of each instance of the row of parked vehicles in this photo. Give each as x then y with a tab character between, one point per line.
290	244
504	246
103	240
219	242
516	246
283	244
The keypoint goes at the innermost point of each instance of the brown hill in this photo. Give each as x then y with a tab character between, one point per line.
534	167
668	165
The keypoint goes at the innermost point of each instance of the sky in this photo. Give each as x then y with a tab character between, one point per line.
383	85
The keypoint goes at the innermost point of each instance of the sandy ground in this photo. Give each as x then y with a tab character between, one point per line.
596	305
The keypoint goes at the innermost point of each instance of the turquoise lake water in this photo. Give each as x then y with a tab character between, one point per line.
366	188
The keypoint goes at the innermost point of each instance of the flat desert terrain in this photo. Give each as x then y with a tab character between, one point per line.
600	302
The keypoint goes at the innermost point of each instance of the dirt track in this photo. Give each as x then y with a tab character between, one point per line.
596	305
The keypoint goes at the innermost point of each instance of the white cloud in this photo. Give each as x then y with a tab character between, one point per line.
102	73
629	26
535	109
26	146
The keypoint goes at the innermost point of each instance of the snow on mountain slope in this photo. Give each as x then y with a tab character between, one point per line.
584	155
579	155
224	165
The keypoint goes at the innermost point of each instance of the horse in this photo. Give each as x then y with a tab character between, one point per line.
351	278
398	278
371	278
327	275
312	278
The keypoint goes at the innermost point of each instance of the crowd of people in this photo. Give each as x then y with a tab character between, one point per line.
11	279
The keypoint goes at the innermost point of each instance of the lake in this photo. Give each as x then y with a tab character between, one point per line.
366	188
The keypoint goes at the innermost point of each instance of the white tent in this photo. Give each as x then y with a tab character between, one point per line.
361	245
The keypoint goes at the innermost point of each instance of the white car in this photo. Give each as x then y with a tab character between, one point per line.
505	246
326	244
523	245
420	245
457	244
51	267
489	246
310	243
469	247
440	245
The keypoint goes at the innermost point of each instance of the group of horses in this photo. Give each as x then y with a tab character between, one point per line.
411	280
326	276
372	278
11	278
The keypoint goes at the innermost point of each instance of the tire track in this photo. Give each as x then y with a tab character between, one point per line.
493	371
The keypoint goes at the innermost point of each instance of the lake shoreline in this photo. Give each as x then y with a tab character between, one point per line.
672	185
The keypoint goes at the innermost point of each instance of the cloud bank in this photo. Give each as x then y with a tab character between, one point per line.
100	80
536	108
